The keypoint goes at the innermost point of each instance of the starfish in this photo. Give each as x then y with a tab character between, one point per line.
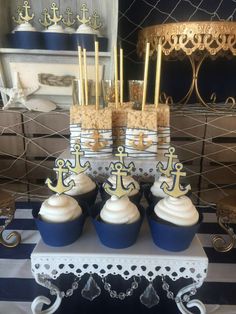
17	94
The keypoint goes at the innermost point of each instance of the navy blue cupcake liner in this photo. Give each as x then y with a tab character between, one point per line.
168	236
26	40
84	41
60	234
151	199
116	236
89	198
56	41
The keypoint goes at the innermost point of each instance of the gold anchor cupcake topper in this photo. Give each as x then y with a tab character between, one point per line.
121	155
78	168
54	19
69	20
176	190
18	20
141	143
26	17
98	143
169	167
119	190
45	22
84	19
96	21
60	187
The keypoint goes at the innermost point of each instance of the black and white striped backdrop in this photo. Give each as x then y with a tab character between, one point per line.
18	288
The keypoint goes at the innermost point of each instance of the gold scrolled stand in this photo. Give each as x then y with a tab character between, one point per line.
226	216
197	41
7	211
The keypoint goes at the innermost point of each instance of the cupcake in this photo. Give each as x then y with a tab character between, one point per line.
155	193
84	189
60	218
174	220
84	37
135	194
118	221
55	37
96	23
25	36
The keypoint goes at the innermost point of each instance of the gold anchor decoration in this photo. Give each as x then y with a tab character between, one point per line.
97	144
60	187
176	190
69	21
119	190
18	20
78	168
121	155
55	19
169	166
26	17
84	19
45	22
96	21
162	140
140	145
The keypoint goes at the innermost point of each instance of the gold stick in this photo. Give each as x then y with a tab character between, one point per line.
116	76
85	77
158	75
96	75
81	76
145	75
121	76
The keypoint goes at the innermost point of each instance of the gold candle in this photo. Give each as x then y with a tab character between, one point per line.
158	75
121	76
85	77
116	76
96	75
81	76
145	75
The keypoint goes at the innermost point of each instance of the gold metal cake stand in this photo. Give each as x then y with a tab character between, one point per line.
7	211
197	41
226	217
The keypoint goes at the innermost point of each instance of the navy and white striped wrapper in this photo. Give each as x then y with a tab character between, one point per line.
163	139
132	135
87	137
75	132
18	287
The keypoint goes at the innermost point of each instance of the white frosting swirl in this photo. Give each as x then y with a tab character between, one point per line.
126	181
83	184
119	211
85	29
55	28
156	187
179	211
59	208
25	27
69	30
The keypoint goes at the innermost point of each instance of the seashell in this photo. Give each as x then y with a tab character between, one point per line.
39	104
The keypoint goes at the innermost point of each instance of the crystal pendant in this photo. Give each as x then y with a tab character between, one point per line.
149	297
91	290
